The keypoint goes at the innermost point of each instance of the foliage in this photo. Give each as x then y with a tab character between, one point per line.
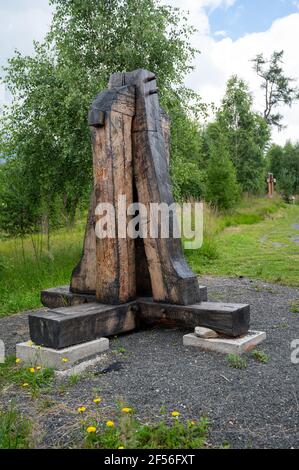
188	170
129	433
19	215
286	184
15	430
222	189
278	88
45	131
188	180
283	162
247	135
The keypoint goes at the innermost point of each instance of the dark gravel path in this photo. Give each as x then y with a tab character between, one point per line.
256	407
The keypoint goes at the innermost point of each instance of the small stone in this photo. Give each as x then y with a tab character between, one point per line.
206	333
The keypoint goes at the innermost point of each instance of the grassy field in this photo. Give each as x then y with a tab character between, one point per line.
254	241
258	241
22	278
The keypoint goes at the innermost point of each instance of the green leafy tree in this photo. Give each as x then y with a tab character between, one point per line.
286	184
187	165
222	189
46	129
279	89
283	162
247	134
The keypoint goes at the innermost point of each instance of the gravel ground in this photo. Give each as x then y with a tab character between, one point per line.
255	407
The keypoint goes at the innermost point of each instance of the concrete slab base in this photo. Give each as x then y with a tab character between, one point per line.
224	345
60	359
81	367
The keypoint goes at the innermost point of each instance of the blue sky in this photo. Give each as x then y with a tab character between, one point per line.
249	16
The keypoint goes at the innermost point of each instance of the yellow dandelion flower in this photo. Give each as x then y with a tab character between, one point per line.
126	410
25	385
91	429
175	414
110	424
81	409
191	424
97	400
121	447
64	360
18	361
32	370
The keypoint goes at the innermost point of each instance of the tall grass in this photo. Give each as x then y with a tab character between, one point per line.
23	275
15	430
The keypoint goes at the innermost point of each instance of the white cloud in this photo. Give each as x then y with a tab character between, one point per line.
20	25
220	33
198	11
220	59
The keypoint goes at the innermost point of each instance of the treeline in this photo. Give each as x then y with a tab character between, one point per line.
284	164
230	152
45	139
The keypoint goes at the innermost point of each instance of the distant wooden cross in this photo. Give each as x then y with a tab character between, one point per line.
271	184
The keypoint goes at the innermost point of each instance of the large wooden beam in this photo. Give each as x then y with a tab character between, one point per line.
228	319
113	179
171	278
63	327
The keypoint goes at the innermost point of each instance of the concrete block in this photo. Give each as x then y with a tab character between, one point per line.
224	345
60	359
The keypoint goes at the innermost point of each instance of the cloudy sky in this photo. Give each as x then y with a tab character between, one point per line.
231	32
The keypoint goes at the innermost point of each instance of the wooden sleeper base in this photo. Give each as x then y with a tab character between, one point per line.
65	326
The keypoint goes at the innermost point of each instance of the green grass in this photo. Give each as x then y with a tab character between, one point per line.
295	306
15	430
260	356
129	433
26	377
262	250
21	280
236	362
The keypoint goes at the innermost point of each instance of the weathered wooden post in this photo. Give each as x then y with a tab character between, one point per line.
121	284
271	185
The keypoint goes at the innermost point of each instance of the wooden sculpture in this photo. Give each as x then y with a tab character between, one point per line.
126	283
